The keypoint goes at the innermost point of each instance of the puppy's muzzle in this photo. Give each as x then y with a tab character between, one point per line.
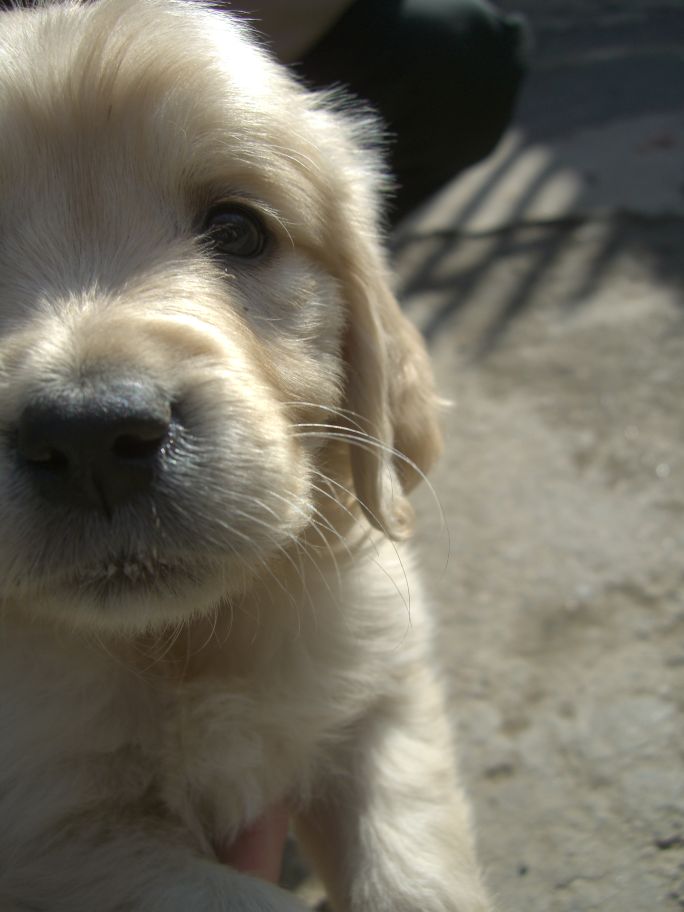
95	446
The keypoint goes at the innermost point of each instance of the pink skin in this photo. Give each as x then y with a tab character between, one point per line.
258	850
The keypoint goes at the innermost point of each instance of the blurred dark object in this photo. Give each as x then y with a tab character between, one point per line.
443	75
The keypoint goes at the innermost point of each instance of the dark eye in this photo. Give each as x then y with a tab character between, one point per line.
235	230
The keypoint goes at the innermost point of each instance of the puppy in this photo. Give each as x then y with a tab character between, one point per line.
211	410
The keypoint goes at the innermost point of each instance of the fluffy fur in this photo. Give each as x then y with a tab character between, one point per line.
238	634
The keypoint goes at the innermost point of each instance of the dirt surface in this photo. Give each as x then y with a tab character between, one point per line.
550	285
562	604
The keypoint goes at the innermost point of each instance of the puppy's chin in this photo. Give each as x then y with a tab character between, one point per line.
125	595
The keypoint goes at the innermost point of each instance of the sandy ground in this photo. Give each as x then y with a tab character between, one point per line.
549	283
562	604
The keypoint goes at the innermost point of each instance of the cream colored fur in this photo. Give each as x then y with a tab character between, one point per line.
281	661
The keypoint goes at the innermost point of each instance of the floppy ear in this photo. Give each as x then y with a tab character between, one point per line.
390	393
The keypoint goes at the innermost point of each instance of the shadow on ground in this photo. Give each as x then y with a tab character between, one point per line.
457	268
599	137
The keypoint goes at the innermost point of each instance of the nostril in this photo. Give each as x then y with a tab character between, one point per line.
36	445
47	460
133	447
141	437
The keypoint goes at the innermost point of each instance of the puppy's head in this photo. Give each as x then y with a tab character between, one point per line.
193	315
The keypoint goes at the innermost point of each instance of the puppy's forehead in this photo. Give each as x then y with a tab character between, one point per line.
155	85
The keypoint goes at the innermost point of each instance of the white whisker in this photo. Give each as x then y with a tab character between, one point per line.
368	442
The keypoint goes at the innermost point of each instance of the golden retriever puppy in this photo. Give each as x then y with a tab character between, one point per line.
211	410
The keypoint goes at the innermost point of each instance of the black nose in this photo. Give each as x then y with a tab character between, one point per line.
96	446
